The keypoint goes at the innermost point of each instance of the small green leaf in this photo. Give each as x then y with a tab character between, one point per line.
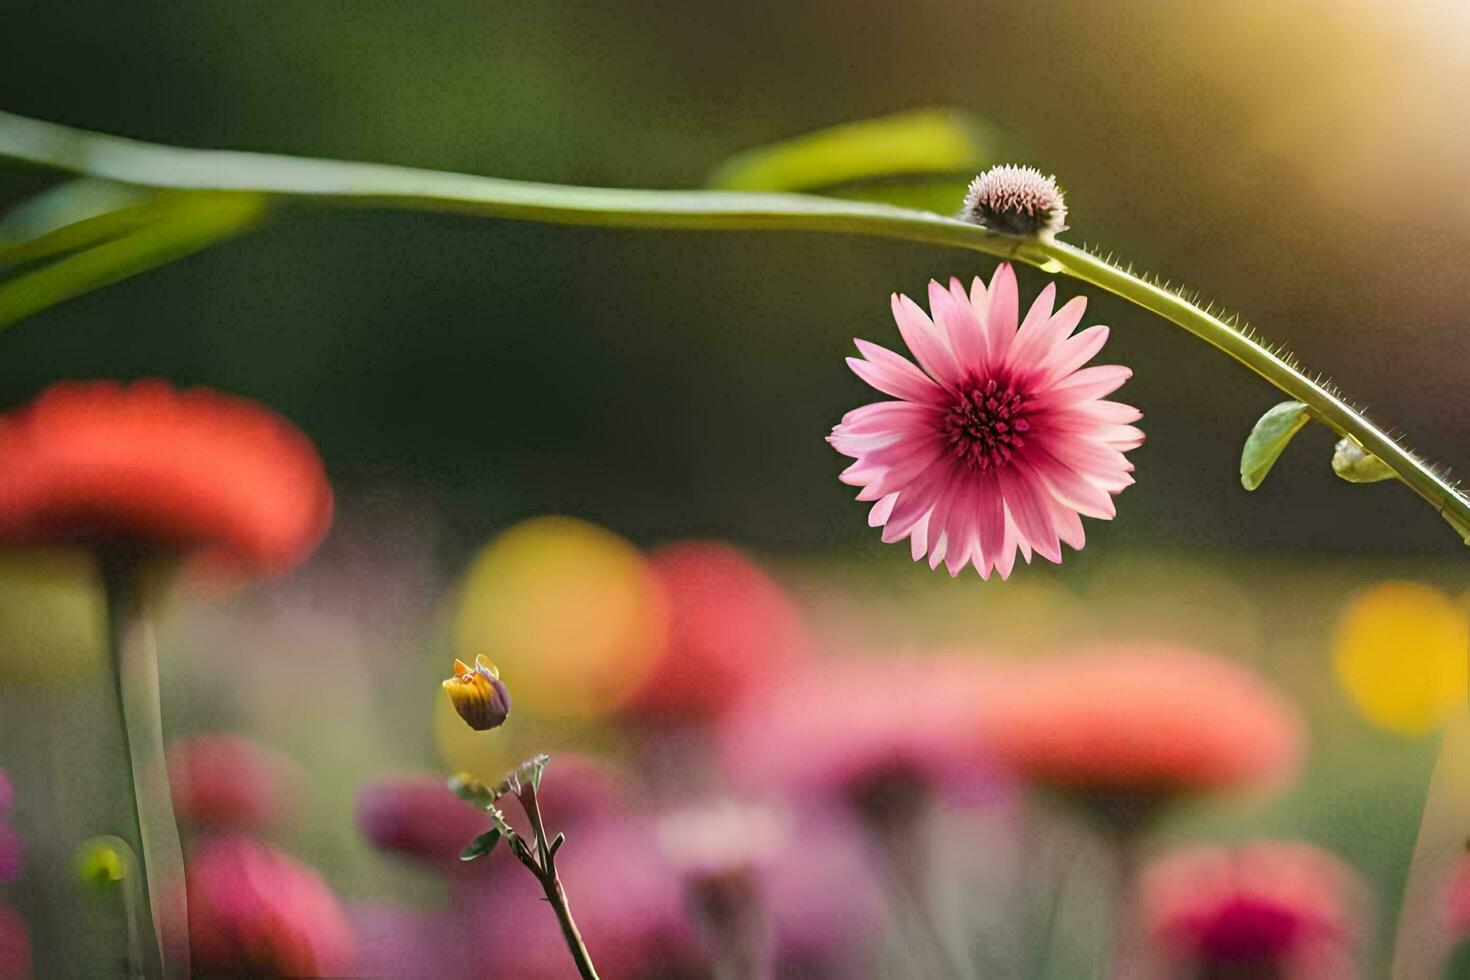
1356	465
471	790
921	142
480	846
1267	440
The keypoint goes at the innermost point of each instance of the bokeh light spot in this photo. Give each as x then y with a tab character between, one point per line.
569	611
1401	656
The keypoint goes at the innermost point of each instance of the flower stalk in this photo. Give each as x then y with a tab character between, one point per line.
538	854
35	143
135	672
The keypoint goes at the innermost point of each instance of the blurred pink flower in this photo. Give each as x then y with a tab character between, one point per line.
1140	721
10	853
1457	900
254	910
394	941
1267	909
730	626
231	781
885	732
419	817
15	945
1003	439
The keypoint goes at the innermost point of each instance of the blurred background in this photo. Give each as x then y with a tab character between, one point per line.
1303	164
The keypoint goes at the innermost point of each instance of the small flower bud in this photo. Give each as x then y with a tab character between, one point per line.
478	695
1015	200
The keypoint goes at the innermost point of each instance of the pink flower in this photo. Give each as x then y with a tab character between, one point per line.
1003	439
1267	909
1457	900
254	910
880	732
420	817
229	780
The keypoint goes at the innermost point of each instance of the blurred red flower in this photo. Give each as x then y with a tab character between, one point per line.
731	625
15	945
1267	909
229	780
184	470
1142	721
253	910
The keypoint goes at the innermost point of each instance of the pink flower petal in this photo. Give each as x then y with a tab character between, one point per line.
1072	353
924	340
1004	309
893	374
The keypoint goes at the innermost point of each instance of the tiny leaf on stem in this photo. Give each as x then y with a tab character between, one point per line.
1267	440
480	846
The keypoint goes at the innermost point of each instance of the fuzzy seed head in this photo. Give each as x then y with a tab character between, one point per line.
1016	200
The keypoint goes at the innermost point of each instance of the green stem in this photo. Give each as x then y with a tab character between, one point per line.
35	143
135	670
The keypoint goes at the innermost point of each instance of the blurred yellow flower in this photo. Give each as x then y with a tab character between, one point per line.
1402	656
572	612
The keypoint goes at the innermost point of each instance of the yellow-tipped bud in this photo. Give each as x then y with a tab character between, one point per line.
478	694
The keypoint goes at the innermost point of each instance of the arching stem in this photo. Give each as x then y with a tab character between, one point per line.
34	143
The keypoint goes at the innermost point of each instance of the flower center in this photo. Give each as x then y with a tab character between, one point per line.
984	425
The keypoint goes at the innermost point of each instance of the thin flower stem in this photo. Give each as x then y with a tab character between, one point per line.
160	858
35	143
541	862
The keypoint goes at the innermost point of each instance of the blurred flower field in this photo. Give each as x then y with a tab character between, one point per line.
757	492
846	709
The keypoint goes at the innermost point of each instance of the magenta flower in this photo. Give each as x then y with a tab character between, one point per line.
253	910
1271	908
1002	441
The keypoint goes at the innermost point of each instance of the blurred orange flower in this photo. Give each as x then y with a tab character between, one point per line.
1142	721
1268	909
194	471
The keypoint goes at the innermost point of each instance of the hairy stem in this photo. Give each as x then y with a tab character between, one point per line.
34	143
135	670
